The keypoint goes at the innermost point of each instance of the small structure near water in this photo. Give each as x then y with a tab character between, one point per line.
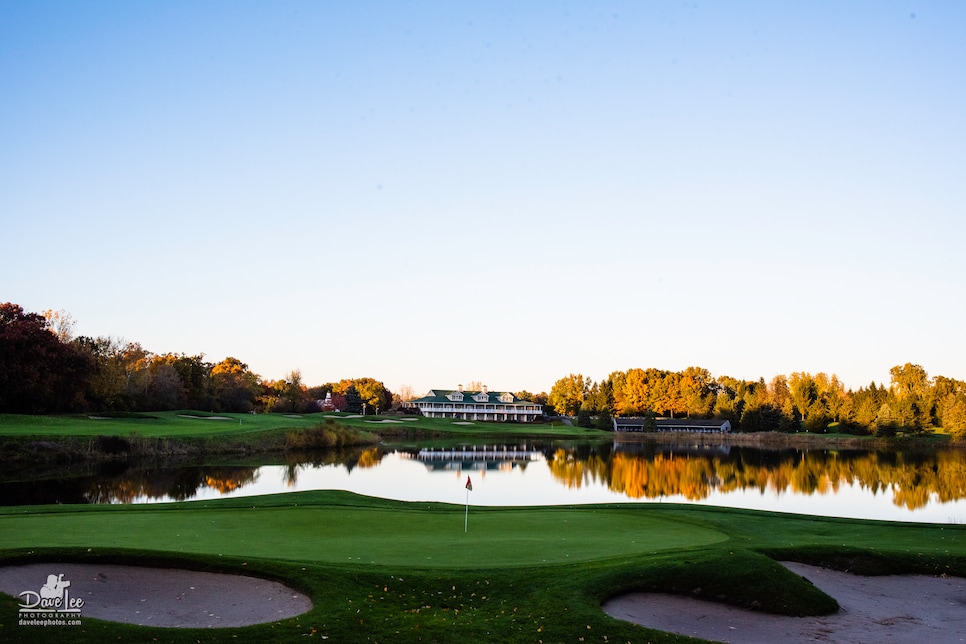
703	426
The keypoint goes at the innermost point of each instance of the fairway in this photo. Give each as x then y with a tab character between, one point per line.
415	535
168	424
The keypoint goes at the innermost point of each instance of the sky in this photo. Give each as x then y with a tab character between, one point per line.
438	193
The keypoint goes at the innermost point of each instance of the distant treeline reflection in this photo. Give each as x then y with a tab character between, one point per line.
913	477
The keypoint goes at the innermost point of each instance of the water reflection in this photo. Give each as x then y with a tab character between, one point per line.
563	472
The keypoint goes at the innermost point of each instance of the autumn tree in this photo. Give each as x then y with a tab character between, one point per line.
567	394
910	390
106	386
631	392
696	386
60	323
372	393
802	392
234	386
39	373
954	414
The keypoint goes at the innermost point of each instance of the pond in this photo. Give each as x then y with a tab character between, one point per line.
928	486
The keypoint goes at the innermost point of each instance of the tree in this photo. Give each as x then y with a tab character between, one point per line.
373	393
60	323
604	420
954	415
195	376
294	391
235	388
910	390
802	392
567	394
885	423
695	385
632	392
778	394
764	418
106	386
353	401
38	372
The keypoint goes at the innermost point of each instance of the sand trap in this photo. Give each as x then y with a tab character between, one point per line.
896	609
384	421
204	417
461	422
161	596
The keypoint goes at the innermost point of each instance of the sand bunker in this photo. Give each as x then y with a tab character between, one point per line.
897	609
161	596
204	417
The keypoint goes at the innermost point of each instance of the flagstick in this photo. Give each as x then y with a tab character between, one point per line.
466	519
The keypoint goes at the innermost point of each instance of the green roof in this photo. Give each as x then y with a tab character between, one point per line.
493	397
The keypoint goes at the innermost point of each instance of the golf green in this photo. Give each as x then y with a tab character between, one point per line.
411	535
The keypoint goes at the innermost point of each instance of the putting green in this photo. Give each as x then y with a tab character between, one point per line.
406	534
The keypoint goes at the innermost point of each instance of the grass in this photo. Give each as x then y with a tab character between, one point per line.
387	571
169	424
196	424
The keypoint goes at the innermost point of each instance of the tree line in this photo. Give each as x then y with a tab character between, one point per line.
913	401
45	369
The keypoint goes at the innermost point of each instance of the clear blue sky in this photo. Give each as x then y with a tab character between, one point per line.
432	193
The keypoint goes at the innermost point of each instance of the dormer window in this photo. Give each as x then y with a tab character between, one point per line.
456	396
482	397
507	398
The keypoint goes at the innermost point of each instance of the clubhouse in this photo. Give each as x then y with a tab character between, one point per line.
485	405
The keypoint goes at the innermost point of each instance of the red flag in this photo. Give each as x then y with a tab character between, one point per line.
469	484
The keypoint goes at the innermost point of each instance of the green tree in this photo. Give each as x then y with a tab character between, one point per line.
353	401
604	420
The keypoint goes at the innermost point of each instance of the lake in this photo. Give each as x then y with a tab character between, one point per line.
921	486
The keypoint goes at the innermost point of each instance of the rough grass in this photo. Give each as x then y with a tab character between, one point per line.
387	571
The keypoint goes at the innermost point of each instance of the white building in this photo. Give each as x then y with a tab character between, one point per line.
499	406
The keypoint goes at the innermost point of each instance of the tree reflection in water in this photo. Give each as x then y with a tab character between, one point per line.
640	471
913	477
